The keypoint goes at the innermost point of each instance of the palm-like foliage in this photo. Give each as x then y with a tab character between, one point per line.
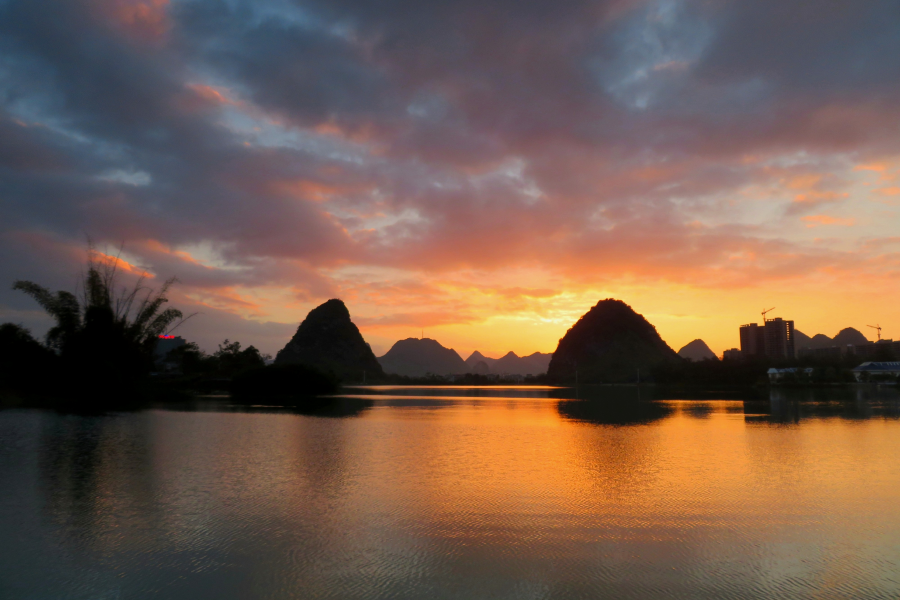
135	316
62	306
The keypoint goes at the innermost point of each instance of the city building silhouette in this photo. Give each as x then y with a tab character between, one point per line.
773	339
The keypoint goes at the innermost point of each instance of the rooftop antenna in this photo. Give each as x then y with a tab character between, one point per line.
878	327
767	311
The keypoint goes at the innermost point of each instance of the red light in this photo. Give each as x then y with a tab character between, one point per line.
167	337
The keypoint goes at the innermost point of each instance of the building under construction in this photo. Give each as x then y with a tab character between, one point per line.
773	339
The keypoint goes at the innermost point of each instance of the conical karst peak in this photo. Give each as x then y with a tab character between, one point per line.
328	340
611	343
697	350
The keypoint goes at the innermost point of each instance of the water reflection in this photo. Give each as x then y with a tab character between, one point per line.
792	405
621	412
338	407
93	469
624	405
462	494
458	391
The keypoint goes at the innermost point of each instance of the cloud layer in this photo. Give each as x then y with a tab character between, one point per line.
450	163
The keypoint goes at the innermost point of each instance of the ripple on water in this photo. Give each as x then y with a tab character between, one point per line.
456	494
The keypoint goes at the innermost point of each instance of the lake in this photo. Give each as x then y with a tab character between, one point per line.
464	493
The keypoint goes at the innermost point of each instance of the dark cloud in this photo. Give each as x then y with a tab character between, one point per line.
300	69
25	150
122	101
820	49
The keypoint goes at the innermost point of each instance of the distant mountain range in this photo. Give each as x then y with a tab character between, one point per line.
510	363
696	350
845	337
609	344
416	357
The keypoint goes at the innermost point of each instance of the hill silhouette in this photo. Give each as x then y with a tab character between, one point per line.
608	345
845	337
480	368
849	336
511	363
820	340
328	340
477	357
696	350
416	357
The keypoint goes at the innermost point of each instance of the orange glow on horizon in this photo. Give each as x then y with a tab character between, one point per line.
679	313
486	312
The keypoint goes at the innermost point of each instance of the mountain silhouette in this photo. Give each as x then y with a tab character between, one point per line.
845	337
696	351
480	368
801	340
820	340
327	339
511	363
477	357
416	357
848	336
609	344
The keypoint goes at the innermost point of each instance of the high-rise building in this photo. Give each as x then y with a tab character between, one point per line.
773	339
753	340
779	341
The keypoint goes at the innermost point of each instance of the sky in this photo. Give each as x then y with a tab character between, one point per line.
482	172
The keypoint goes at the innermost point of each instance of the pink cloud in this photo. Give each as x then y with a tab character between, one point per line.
816	220
146	20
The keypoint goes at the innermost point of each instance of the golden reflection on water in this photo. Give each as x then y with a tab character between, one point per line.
419	491
702	463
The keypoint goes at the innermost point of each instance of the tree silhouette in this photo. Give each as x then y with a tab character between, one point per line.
107	337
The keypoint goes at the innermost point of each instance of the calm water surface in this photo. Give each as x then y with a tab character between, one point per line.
458	493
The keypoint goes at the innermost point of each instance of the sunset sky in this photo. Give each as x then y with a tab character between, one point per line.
483	170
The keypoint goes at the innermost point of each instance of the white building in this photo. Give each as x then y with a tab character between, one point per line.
873	371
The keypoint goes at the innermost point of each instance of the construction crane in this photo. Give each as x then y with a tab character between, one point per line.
878	328
767	311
